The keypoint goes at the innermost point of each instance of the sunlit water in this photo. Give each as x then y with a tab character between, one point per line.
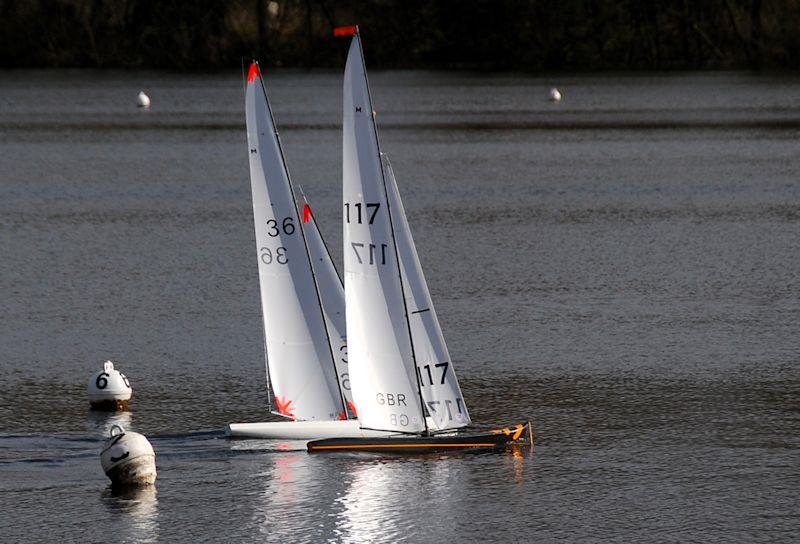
623	268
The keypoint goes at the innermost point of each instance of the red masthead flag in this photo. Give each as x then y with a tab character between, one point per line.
253	73
307	213
351	30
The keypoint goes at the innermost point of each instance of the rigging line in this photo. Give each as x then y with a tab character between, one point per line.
394	238
305	242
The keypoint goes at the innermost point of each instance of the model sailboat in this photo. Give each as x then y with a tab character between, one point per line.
301	297
400	369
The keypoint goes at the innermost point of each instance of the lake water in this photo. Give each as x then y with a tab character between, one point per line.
622	268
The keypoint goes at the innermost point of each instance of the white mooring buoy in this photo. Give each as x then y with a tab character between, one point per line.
109	389
555	95
128	459
142	100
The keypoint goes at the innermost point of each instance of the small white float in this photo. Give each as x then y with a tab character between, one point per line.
555	95
109	389
128	458
142	100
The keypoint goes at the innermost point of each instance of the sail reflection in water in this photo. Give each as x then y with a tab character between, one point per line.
379	499
364	498
299	496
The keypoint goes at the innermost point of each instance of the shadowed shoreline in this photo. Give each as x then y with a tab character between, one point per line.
529	35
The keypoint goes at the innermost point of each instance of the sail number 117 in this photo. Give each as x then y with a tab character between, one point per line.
357	216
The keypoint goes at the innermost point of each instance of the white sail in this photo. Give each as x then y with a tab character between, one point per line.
331	292
380	355
436	375
299	356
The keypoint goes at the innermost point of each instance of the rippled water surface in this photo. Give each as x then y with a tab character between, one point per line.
623	268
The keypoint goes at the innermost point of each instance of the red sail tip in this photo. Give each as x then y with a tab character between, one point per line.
340	31
253	73
307	213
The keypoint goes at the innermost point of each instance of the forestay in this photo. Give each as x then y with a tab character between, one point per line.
299	355
380	355
331	293
436	375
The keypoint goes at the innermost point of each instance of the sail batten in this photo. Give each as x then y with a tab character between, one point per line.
299	357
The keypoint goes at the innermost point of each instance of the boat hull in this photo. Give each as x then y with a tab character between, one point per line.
302	430
488	441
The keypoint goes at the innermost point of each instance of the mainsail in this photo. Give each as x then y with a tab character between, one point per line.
331	292
380	354
436	375
300	360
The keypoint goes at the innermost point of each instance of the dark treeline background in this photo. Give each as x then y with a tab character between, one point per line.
480	34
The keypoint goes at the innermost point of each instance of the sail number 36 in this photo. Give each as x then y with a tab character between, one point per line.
274	228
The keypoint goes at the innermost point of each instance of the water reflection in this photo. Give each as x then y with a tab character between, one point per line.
267	445
371	498
134	513
521	454
100	423
370	506
429	498
380	499
296	495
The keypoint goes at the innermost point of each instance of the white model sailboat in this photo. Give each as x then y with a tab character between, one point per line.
400	369
301	297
